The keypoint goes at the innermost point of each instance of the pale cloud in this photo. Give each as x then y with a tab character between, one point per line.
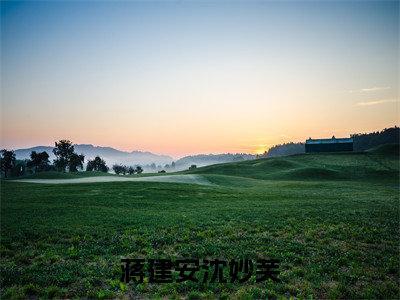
376	88
371	89
376	102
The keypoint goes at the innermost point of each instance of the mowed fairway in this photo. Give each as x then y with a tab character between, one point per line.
332	220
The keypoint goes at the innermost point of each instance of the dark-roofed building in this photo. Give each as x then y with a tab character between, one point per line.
329	145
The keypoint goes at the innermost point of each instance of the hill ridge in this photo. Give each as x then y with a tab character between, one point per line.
322	166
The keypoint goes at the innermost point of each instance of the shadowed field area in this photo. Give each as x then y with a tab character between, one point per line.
332	220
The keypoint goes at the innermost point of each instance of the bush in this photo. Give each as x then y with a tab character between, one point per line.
120	169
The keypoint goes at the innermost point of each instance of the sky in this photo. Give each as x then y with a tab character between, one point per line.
187	77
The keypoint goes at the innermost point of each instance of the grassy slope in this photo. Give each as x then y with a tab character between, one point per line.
337	236
378	164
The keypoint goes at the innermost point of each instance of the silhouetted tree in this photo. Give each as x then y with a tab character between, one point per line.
97	164
75	162
7	161
131	170
19	169
60	164
139	169
39	161
192	167
119	169
63	151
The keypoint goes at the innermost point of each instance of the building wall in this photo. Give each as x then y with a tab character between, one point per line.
336	147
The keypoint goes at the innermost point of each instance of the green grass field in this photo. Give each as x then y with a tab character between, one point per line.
332	220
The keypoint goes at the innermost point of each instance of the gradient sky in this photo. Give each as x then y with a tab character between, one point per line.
196	77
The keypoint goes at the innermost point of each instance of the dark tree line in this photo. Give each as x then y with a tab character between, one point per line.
7	161
121	169
97	164
362	142
66	160
365	141
285	149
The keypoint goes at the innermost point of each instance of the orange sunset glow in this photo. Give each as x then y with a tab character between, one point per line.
195	81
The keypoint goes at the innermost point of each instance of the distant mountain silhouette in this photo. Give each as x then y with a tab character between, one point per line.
144	158
110	155
201	160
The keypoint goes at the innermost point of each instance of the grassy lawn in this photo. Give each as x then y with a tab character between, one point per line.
332	220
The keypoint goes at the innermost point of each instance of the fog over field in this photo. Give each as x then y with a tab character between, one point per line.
148	160
110	155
